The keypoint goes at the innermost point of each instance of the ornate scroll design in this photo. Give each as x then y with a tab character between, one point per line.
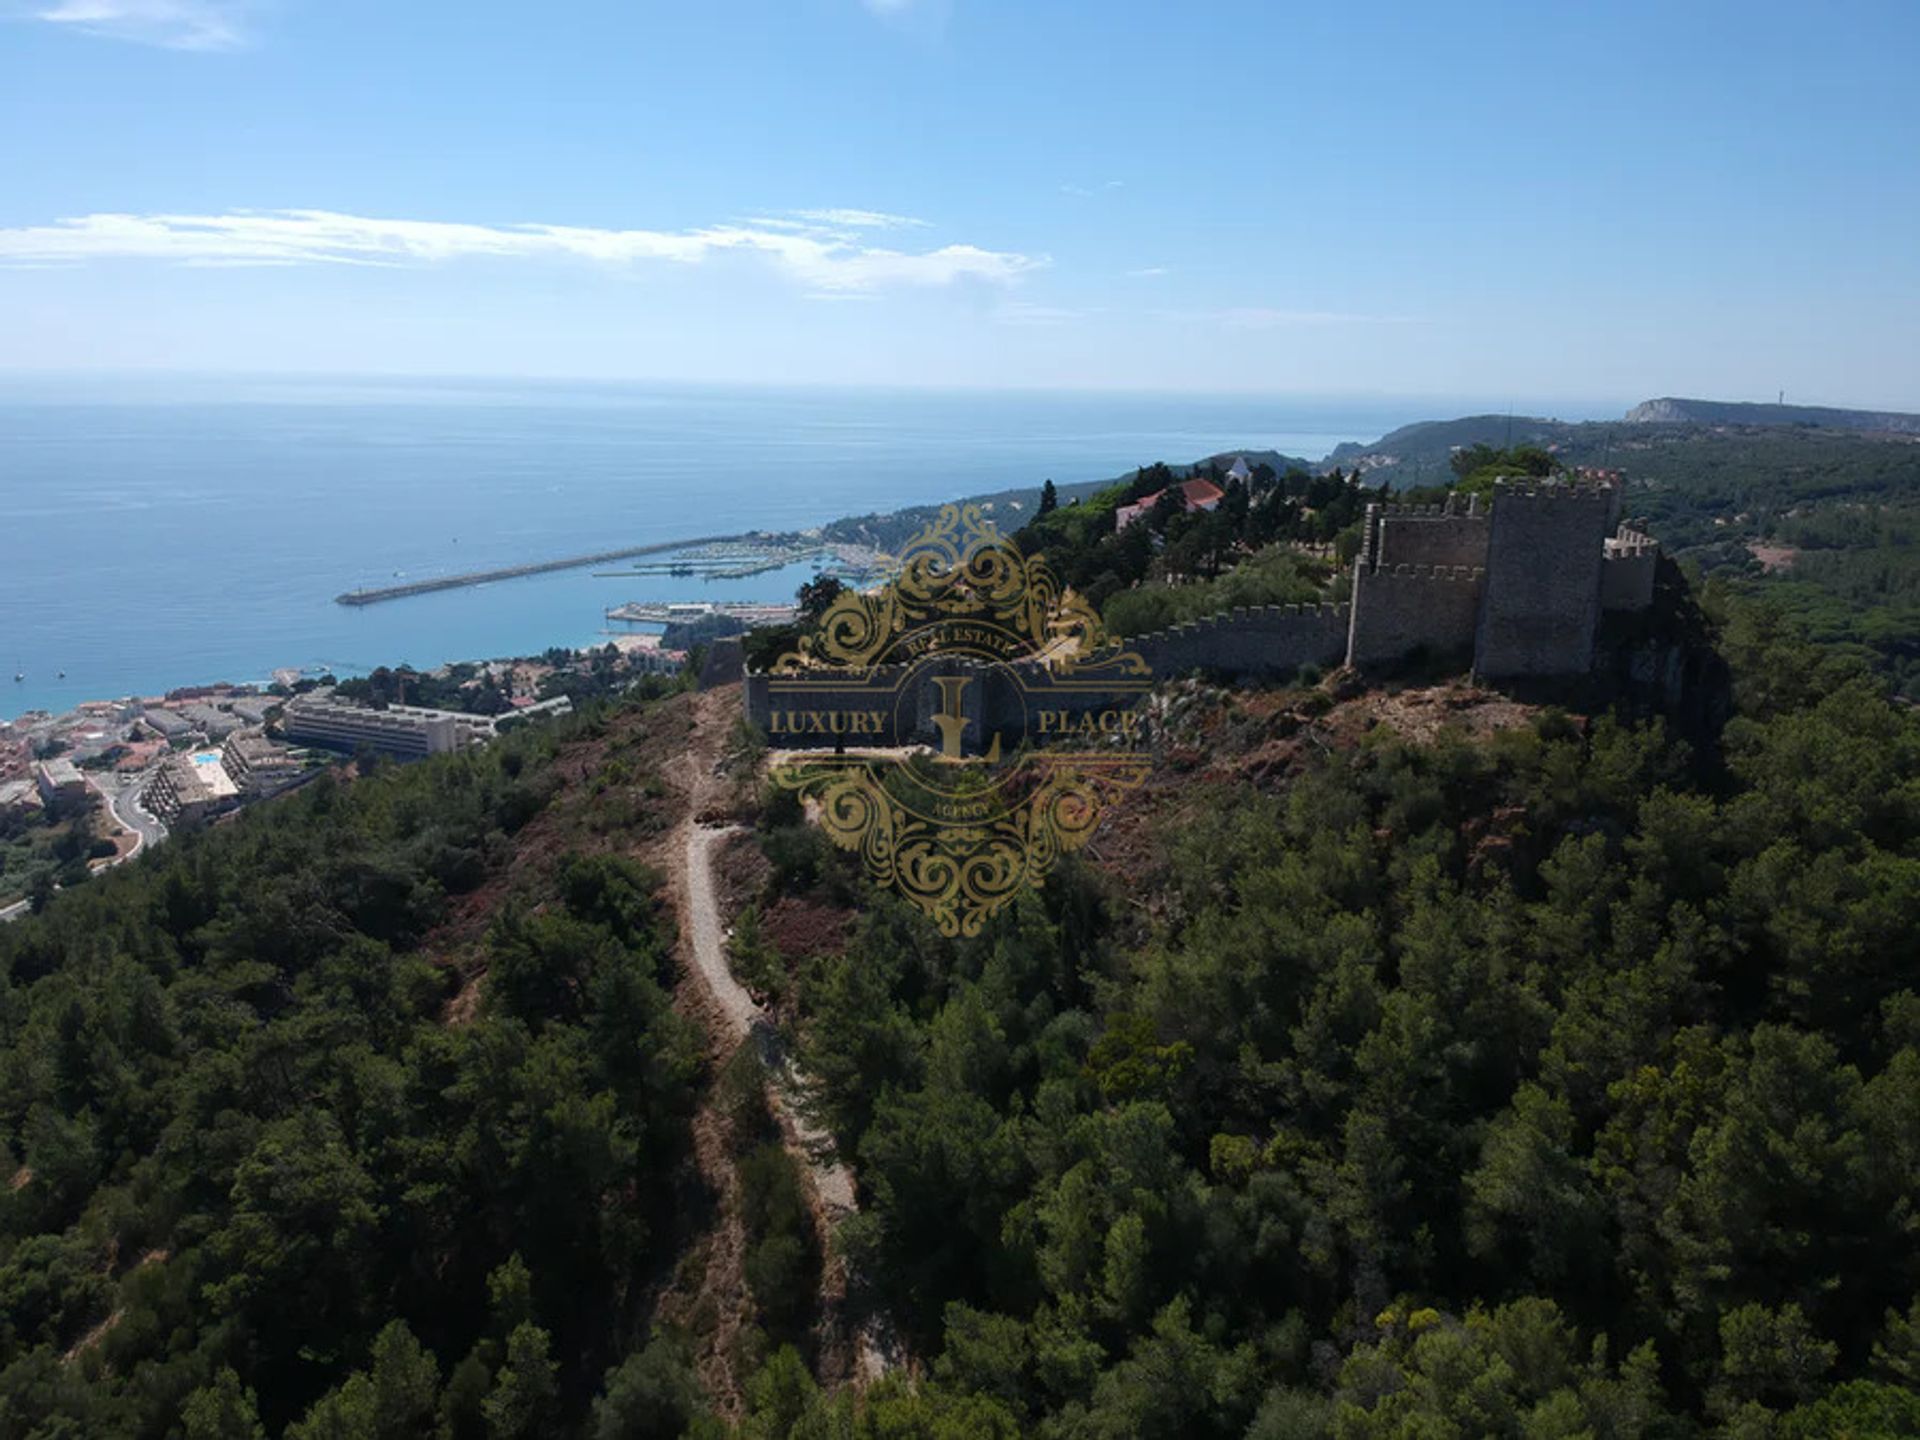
960	863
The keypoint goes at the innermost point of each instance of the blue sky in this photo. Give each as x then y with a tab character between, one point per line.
1537	199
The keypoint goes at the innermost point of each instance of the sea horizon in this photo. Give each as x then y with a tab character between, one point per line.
186	529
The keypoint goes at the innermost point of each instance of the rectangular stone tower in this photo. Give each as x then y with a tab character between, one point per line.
1540	603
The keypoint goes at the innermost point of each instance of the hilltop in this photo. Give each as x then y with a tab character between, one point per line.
1399	1052
1670	411
1010	509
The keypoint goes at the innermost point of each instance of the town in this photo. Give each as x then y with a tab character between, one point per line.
87	790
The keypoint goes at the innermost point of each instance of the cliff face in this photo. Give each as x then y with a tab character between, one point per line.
1662	661
1673	411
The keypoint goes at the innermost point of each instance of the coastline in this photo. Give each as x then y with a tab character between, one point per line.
179	536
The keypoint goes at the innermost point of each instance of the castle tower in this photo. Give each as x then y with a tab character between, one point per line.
1540	605
1417	581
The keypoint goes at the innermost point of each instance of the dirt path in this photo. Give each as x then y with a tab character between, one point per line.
808	1142
733	1018
708	934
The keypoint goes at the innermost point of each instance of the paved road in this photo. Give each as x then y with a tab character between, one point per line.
122	798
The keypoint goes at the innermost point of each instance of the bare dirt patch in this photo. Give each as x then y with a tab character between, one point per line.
1261	740
1420	715
800	928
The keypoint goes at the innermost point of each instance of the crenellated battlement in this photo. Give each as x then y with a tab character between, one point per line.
1454	505
1240	618
1629	563
1453	533
1564	491
1628	542
1400	609
1382	574
1271	640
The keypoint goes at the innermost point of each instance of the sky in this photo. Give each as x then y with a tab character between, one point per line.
1588	202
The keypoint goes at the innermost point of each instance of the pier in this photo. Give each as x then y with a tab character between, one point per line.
374	595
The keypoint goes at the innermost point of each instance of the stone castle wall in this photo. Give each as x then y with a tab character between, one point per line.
1541	602
1262	640
1451	534
1521	585
1398	609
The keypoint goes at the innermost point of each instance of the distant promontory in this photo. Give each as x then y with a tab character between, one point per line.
1671	411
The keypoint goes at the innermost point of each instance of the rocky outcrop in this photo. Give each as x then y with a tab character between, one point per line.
1670	410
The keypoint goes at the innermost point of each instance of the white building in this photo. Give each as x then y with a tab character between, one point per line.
188	788
59	780
406	732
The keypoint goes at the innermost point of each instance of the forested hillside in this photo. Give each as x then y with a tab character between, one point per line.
1554	1082
271	1170
1398	1063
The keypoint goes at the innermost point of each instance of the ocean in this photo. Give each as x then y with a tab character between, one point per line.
165	532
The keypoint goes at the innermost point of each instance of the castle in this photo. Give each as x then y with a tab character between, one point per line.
1515	588
1518	586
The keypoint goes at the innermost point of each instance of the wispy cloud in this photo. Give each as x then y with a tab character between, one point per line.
1262	317
174	24
820	260
861	219
1147	272
1083	191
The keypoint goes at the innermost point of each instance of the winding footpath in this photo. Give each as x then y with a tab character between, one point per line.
810	1145
875	1350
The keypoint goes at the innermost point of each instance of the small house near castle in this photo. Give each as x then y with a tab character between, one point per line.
1198	495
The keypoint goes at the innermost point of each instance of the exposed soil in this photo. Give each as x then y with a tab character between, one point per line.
800	927
712	1288
1261	739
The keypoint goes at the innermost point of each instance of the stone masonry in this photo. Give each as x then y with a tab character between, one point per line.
1516	588
1520	586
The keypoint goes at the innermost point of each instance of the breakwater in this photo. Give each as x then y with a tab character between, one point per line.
374	595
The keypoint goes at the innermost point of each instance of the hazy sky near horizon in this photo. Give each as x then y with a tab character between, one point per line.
1492	199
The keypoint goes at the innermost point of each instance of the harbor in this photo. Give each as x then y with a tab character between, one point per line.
706	557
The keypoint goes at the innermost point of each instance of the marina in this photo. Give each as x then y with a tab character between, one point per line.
685	612
741	560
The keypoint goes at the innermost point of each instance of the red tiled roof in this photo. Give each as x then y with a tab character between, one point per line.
1197	493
